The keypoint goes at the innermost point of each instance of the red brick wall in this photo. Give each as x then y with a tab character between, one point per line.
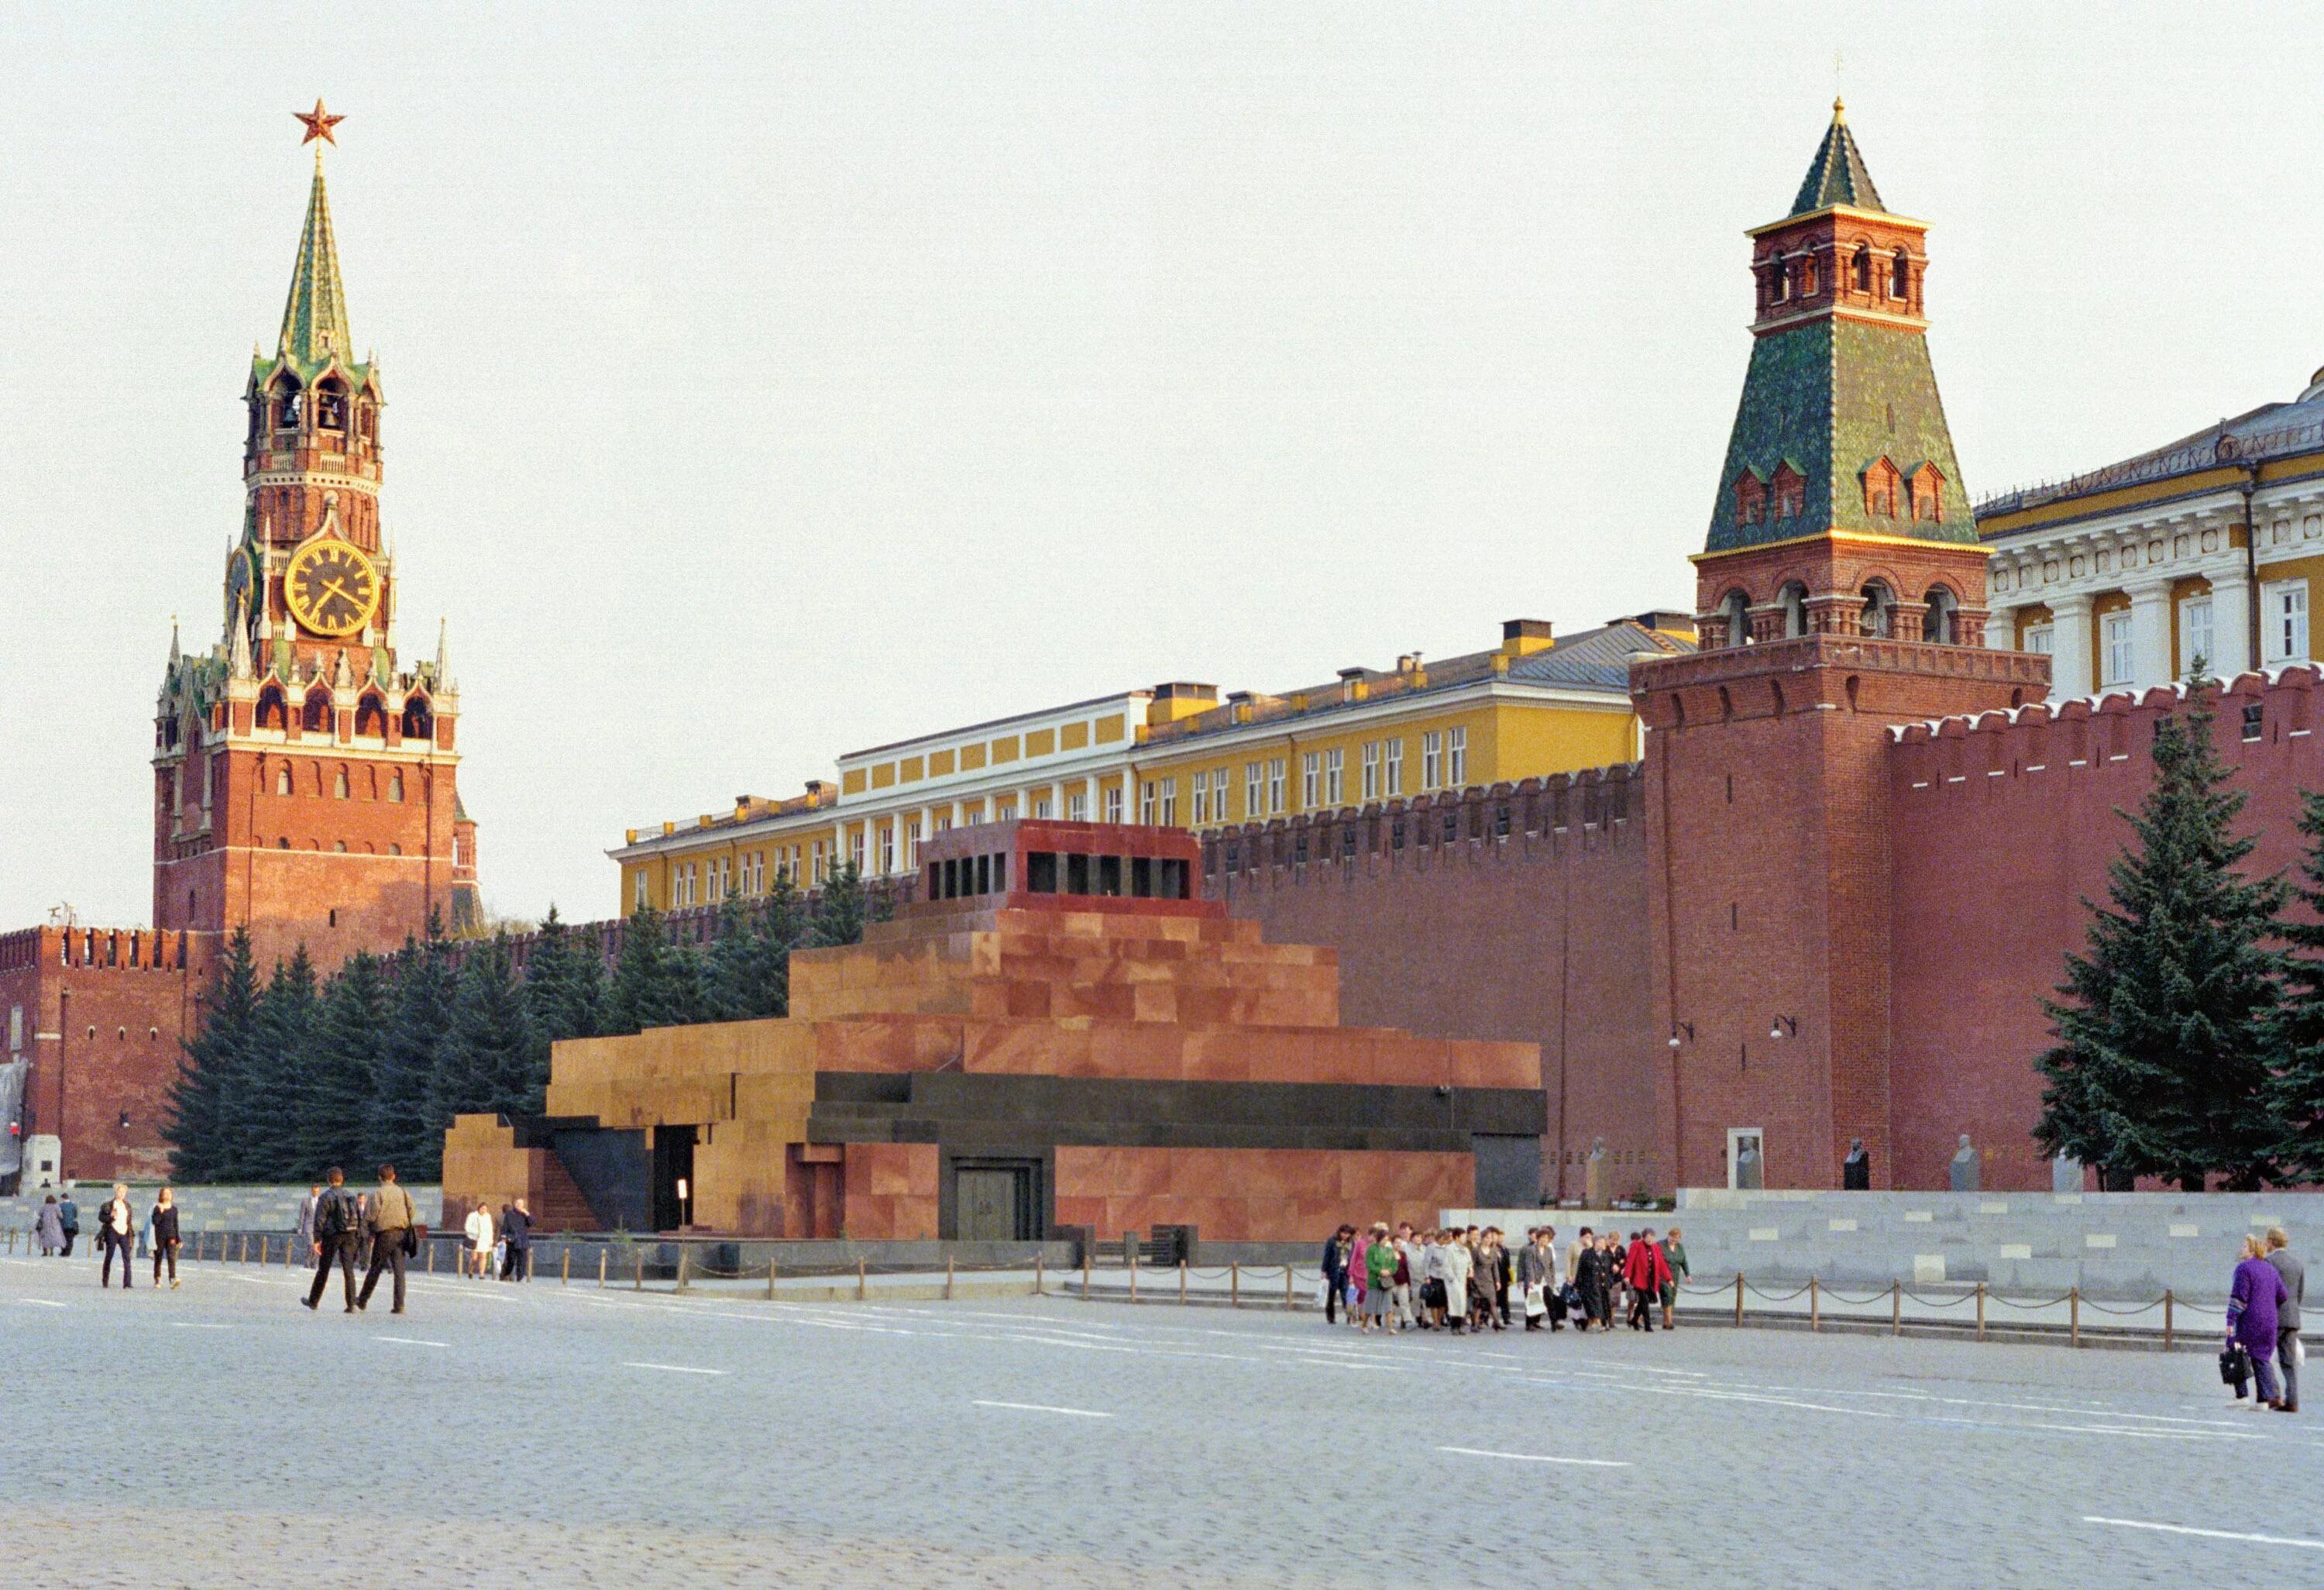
334	902
1773	886
2000	832
104	1037
1539	937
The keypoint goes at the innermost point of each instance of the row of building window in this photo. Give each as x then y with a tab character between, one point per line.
744	876
1784	494
2284	634
1323	781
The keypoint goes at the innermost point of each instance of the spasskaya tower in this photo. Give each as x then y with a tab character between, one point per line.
306	784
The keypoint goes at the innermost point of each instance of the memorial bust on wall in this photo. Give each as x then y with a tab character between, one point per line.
1965	1167
1856	1170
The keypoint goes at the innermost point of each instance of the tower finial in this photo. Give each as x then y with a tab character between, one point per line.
1838	114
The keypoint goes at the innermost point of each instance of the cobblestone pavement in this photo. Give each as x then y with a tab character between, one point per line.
542	1435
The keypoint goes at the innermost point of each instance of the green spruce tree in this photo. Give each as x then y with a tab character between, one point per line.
398	1123
652	981
485	1065
2296	1091
748	970
841	910
200	1098
346	1055
564	984
273	1111
2160	1066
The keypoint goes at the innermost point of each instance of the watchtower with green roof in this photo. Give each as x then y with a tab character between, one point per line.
1840	437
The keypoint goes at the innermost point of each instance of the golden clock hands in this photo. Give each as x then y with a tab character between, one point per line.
334	589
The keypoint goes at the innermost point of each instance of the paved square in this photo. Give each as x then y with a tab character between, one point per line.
545	1435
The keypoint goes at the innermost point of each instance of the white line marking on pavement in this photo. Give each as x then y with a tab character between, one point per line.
1044	1408
1536	1457
43	1303
194	1324
413	1342
2132	1523
672	1368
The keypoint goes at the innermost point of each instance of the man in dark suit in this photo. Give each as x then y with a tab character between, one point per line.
339	1223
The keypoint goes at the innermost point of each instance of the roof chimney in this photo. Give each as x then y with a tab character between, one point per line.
1522	637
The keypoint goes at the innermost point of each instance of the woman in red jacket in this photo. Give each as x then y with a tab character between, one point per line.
1647	1271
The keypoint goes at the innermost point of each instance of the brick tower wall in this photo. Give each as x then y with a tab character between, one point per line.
2002	826
105	1014
1774	886
1531	925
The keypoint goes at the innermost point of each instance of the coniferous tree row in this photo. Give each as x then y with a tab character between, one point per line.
290	1073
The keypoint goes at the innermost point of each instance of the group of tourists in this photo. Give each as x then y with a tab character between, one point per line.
1467	1279
2264	1322
119	1232
498	1245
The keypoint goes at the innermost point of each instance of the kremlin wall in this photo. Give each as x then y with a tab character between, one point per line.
1579	915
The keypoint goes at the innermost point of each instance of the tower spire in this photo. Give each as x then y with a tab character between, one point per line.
1836	175
314	320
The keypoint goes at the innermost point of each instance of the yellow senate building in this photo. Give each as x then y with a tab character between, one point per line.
1180	756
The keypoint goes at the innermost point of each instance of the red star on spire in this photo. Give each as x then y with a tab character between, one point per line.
319	124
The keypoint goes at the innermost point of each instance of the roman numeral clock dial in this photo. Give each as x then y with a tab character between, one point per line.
331	588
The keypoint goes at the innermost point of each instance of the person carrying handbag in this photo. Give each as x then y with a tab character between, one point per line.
395	1235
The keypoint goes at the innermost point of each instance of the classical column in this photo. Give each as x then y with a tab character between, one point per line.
2001	629
2070	647
2150	632
2231	620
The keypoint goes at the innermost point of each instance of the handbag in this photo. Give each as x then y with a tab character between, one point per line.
1536	1306
2234	1367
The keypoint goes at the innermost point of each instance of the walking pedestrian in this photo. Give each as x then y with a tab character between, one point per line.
1674	1257
1578	1300
2253	1301
50	1227
1537	1265
1336	1256
1457	1262
2288	1349
163	1224
516	1223
338	1220
117	1232
394	1237
479	1229
68	1213
305	1237
1410	1273
1379	1279
1648	1271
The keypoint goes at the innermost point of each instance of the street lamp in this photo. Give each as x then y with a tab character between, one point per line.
1679	1026
1784	1027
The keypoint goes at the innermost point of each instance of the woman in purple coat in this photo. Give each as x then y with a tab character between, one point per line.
2251	1317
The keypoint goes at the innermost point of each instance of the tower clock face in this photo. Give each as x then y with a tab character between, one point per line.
331	587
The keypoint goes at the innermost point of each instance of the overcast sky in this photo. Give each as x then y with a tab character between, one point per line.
768	381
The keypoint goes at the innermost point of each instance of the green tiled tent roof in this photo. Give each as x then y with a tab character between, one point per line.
1834	397
1838	174
314	320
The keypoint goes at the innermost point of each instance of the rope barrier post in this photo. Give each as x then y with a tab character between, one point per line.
1086	1269
1290	1298
640	1285
770	1278
602	1254
1130	1245
1234	1283
244	1256
2166	1318
1182	1280
1980	1311
1739	1299
948	1278
1815	1311
2074	1313
1037	1274
565	1266
681	1266
862	1287
1895	1308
